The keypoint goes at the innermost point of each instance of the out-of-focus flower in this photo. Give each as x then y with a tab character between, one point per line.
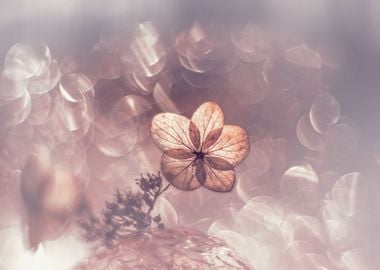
201	151
51	196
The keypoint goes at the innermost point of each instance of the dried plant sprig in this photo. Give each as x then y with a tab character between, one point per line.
127	215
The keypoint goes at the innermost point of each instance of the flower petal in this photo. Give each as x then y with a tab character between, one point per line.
181	173
218	180
195	136
211	138
170	131
179	153
200	171
208	117
219	163
232	145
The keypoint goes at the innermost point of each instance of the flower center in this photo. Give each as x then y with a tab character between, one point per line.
199	155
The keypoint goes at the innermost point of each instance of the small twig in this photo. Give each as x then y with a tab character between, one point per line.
167	186
158	194
128	214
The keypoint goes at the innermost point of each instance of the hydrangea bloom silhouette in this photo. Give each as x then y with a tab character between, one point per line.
200	151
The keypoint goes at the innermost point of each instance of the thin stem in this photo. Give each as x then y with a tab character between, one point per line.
156	197
165	188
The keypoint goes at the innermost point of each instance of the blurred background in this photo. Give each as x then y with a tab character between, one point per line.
301	76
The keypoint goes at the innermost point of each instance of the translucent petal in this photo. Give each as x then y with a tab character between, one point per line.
200	171
232	145
180	173
170	131
179	153
195	135
208	117
211	138
218	180
218	163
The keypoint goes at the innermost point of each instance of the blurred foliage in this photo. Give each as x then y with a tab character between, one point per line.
127	215
174	248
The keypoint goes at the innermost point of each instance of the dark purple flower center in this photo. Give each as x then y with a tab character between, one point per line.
199	154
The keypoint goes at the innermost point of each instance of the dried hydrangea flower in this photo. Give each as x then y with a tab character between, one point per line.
200	151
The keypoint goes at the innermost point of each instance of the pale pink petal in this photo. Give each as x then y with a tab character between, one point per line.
208	117
219	163
179	153
218	180
232	145
195	135
171	131
200	171
180	172
211	138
